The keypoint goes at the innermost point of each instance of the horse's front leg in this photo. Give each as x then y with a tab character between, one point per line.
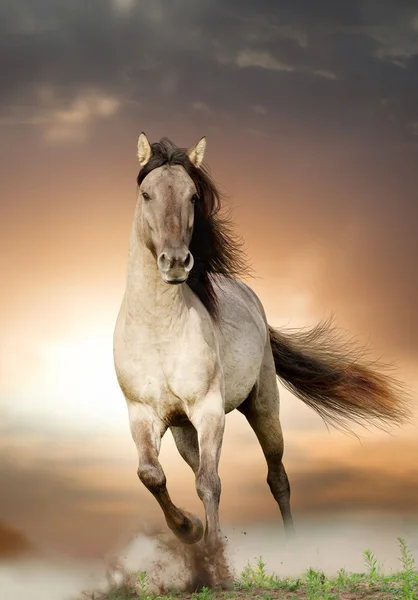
147	431
208	418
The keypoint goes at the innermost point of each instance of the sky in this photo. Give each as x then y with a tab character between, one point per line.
311	117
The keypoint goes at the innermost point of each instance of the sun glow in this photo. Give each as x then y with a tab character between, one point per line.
81	373
73	381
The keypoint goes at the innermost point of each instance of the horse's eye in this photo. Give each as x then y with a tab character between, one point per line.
146	196
195	198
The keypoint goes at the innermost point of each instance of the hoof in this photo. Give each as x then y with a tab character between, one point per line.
191	530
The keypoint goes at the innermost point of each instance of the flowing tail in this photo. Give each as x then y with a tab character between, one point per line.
332	377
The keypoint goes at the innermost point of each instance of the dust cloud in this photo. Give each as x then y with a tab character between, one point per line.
48	579
174	566
171	565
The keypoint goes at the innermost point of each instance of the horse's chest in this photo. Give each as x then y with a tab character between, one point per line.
163	375
141	378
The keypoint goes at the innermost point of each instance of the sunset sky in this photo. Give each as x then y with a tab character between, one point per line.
311	115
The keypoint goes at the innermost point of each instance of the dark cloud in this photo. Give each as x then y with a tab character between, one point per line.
13	543
62	514
169	55
345	490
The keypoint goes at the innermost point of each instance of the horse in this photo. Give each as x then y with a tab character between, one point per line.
192	343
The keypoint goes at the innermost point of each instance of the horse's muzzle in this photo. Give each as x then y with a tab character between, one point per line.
175	265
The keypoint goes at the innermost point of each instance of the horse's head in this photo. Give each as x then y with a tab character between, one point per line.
167	195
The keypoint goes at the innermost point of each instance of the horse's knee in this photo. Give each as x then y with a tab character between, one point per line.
208	486
152	476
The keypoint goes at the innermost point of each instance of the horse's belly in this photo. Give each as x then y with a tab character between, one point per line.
243	337
239	382
242	356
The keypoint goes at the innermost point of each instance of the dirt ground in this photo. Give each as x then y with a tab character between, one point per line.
300	594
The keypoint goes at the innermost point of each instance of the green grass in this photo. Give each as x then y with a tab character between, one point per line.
256	583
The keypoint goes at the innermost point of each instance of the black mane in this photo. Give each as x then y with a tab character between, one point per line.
214	247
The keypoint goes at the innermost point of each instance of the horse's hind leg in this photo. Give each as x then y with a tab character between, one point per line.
261	409
147	432
187	444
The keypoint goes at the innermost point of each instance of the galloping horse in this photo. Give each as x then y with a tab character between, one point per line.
192	343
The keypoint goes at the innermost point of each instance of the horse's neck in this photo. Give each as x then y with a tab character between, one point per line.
150	301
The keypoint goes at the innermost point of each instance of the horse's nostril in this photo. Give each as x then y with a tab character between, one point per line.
163	262
188	260
188	263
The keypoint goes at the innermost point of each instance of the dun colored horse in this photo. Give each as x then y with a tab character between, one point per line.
192	343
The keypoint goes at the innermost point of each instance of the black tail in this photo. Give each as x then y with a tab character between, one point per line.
332	377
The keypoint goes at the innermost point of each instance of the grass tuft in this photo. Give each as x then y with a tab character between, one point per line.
256	583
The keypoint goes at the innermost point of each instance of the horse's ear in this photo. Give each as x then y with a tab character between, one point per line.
197	153
144	149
